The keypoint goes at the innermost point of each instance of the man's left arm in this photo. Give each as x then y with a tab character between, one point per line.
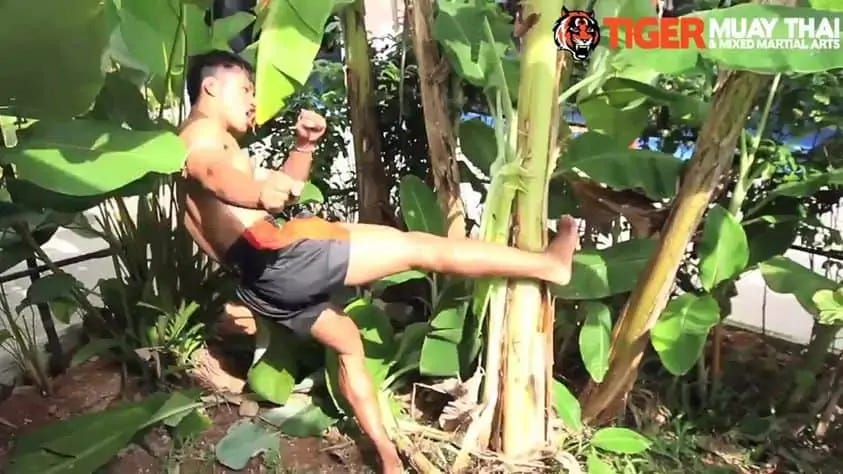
309	129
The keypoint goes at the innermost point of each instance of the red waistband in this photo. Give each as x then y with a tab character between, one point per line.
264	234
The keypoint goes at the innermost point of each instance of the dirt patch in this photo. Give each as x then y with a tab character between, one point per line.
92	386
310	455
97	385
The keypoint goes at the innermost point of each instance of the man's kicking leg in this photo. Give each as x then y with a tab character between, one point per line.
338	331
379	251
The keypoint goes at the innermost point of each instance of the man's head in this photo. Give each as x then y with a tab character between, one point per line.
221	83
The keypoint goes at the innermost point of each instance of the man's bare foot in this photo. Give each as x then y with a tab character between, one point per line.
211	373
236	319
390	461
562	249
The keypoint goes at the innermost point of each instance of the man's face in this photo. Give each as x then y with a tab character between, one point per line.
237	94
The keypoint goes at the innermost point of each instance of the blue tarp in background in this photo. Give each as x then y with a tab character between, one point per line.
802	143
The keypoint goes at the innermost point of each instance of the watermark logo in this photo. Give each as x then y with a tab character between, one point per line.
577	32
573	33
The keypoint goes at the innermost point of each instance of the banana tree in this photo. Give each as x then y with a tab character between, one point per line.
519	326
823	299
714	152
372	185
60	152
435	96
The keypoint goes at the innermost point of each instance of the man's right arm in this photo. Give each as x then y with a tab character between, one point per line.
211	166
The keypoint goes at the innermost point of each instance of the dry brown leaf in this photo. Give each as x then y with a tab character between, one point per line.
459	411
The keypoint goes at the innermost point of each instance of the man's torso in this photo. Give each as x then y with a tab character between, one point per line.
213	224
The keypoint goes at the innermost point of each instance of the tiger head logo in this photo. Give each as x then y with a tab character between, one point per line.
577	32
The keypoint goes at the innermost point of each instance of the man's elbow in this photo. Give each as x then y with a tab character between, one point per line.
209	176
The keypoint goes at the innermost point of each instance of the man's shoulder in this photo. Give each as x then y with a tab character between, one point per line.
202	129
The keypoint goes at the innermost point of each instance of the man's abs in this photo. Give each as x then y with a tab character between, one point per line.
214	225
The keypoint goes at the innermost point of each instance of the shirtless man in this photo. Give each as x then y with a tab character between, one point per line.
287	272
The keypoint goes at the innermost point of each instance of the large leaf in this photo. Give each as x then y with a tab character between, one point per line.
723	250
783	275
595	465
89	158
50	59
832	5
243	441
567	406
620	440
679	335
620	126
273	375
147	32
121	101
410	343
623	92
378	345
397	279
84	443
621	123
654	173
595	339
420	207
440	355
810	185
13	250
767	239
459	28
227	28
600	273
30	194
758	58
477	142
84	451
830	306
288	44
59	291
300	416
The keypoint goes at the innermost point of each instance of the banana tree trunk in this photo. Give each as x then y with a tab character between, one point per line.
528	335
714	152
372	183
812	364
440	134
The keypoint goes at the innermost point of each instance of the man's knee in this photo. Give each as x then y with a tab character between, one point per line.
336	330
421	250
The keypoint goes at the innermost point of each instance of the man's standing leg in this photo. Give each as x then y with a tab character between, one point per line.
338	331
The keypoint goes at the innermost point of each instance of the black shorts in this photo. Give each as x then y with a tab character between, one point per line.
288	272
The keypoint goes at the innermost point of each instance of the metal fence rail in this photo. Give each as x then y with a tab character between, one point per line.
57	361
37	270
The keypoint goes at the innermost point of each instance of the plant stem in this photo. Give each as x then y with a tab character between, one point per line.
712	156
528	338
812	363
374	205
58	363
747	158
27	357
175	42
438	125
586	81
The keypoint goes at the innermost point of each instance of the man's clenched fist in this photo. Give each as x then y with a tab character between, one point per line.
276	191
309	129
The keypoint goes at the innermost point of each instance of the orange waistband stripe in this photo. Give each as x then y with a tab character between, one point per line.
265	235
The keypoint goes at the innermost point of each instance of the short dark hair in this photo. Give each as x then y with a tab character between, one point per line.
206	64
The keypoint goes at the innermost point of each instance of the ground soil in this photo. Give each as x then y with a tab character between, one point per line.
753	366
97	385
